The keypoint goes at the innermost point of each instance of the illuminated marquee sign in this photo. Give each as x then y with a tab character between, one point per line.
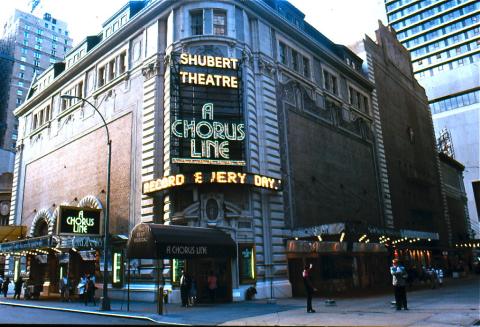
206	111
78	221
214	177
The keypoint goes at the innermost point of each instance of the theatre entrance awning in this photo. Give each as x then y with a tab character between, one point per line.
156	241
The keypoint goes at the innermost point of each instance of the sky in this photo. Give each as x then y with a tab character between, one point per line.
343	21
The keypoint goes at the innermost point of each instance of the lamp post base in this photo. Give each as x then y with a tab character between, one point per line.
105	304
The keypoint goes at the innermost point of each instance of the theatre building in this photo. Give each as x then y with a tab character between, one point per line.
243	145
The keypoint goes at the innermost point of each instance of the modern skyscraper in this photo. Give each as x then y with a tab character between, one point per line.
29	45
443	38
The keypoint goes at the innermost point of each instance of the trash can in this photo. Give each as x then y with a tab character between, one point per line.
160	301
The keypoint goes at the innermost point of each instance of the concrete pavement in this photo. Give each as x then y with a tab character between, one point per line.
454	304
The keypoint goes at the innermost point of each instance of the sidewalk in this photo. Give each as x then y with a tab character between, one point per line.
454	304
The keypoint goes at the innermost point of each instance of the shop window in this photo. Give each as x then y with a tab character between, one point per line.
246	263
196	18
219	22
177	266
117	280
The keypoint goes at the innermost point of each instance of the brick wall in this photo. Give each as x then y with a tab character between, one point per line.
79	169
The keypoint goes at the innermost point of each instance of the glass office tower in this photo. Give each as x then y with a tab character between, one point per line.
443	38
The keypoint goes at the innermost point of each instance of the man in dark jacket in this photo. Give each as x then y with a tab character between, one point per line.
184	288
18	287
399	279
307	280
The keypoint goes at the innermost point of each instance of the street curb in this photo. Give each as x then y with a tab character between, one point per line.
92	312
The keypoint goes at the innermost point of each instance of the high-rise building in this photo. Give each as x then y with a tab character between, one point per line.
31	44
443	38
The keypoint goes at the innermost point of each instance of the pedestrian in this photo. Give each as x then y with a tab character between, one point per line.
18	287
89	293
212	285
5	284
309	288
184	288
192	295
439	272
81	287
399	278
62	285
1	281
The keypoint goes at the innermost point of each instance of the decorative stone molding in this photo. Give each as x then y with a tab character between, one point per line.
152	68
266	67
90	201
42	215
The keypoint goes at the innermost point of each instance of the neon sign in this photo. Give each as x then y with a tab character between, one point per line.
206	113
78	221
213	136
214	177
205	78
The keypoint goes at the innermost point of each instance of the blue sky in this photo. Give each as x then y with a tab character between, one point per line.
343	21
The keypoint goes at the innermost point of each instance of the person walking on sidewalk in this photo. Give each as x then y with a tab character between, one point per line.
399	280
307	281
5	284
184	288
212	285
18	288
89	291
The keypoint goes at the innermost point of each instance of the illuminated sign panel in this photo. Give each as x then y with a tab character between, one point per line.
78	221
207	125
214	177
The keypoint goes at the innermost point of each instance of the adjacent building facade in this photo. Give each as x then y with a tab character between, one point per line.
443	38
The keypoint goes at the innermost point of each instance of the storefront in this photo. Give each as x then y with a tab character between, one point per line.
337	266
198	251
74	250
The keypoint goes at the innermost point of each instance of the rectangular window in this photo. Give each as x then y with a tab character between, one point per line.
283	53
330	82
23	58
53	52
22	67
25	42
294	60
101	76
196	18
246	263
306	67
24	51
36	62
219	22
21	75
37	55
20	83
19	92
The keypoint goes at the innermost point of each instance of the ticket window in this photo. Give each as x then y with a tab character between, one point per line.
246	263
117	280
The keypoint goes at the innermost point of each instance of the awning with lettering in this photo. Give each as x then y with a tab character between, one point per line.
156	241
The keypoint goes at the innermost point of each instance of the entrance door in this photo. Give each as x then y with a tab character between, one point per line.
199	269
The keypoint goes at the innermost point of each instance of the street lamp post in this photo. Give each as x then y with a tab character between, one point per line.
105	303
